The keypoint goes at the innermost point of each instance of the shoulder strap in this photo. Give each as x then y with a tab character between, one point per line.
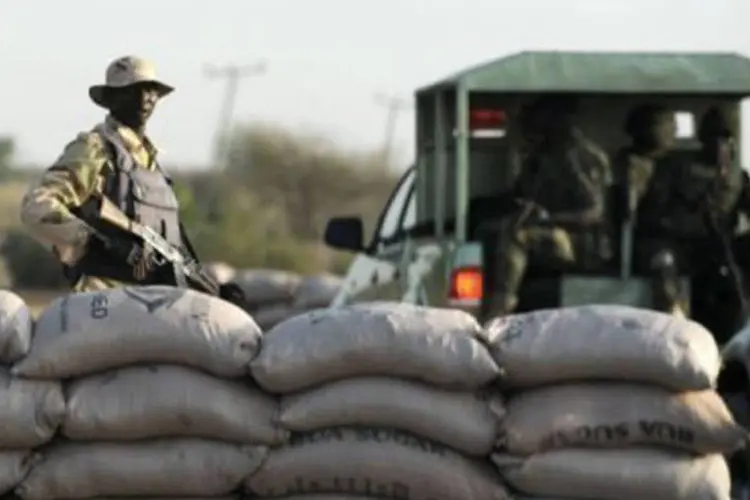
163	172
116	148
187	243
111	178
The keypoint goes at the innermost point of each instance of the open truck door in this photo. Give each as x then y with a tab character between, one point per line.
377	270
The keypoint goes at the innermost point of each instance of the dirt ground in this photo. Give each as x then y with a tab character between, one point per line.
38	299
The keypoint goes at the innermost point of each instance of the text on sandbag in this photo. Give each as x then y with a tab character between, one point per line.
643	430
367	434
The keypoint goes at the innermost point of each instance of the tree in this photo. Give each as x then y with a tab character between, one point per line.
7	156
309	177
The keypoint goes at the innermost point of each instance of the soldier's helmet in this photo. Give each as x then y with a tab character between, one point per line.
547	111
641	120
552	104
717	122
124	72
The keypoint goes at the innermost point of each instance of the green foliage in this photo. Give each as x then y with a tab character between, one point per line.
270	206
7	153
309	177
31	265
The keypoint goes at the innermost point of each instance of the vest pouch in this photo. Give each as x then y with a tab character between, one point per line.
153	189
155	204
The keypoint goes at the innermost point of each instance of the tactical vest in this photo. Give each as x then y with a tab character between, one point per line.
682	194
143	195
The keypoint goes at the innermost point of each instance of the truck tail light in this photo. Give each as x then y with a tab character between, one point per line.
466	286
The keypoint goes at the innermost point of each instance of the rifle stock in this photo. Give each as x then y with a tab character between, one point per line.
111	214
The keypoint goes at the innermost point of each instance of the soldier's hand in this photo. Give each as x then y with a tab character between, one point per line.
535	211
541	214
143	260
231	292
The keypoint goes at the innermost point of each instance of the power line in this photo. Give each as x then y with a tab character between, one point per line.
232	74
394	106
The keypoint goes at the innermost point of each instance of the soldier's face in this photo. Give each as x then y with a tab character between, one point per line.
725	151
135	104
665	130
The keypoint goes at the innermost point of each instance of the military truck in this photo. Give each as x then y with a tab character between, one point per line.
425	249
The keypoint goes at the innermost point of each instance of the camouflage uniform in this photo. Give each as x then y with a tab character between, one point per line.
82	172
78	174
570	181
690	204
652	129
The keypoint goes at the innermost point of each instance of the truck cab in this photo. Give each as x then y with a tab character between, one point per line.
425	249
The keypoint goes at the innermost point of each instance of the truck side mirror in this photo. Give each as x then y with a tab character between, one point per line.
345	233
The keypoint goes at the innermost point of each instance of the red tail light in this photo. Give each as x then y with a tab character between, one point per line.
467	285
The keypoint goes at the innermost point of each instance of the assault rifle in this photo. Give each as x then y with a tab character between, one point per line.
187	270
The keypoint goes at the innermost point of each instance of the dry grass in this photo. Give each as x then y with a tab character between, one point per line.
11	194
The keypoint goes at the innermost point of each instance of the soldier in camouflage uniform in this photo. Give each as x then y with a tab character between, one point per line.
560	193
116	160
653	131
689	212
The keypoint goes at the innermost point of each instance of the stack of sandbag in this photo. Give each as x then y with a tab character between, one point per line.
385	400
313	292
156	401
316	292
269	294
612	403
30	411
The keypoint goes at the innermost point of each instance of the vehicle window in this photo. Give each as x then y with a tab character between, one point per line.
685	122
389	224
410	214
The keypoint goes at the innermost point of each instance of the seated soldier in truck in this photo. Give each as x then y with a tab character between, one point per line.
688	215
559	221
653	132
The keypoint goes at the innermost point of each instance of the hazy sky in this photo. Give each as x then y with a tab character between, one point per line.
326	57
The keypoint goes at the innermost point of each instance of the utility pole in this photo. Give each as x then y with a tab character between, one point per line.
394	106
232	74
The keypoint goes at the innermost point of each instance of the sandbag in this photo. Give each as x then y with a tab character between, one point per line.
16	324
618	474
438	346
317	291
604	342
30	411
270	316
465	421
372	462
738	348
264	286
14	467
618	415
166	468
315	496
84	333
169	401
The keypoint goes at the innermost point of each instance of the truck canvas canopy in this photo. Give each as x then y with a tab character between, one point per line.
606	72
463	120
